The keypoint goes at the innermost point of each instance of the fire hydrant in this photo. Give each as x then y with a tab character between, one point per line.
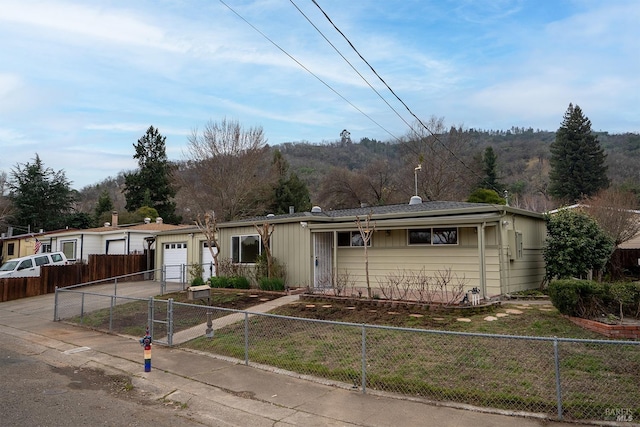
145	342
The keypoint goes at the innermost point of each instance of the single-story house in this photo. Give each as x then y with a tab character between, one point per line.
110	239
497	249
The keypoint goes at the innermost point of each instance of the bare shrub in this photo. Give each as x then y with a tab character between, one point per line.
343	280
449	286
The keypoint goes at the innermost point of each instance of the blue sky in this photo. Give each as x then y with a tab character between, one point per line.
81	81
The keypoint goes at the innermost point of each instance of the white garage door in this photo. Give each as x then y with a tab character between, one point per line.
175	260
208	268
115	247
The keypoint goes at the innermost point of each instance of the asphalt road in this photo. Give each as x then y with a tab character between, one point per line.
38	391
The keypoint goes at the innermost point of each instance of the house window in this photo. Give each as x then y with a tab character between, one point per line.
69	249
11	247
420	237
445	236
46	248
245	249
351	239
433	236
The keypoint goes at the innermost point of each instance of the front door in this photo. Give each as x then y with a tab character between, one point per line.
323	264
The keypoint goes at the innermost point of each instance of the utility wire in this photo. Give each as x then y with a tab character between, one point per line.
433	134
306	69
351	65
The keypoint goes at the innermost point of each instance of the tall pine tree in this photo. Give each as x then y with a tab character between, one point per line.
151	185
42	197
577	160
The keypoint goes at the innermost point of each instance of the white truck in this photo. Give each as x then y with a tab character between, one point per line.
29	266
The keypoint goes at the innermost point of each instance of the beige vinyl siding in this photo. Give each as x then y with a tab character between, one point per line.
290	245
390	254
527	271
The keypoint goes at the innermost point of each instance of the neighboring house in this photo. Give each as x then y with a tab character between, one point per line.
110	239
495	248
23	245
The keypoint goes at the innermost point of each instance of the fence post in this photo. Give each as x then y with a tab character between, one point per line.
364	360
246	338
111	313
150	316
82	309
556	359
55	306
183	275
115	286
163	279
170	322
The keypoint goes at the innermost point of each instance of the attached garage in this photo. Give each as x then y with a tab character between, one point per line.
175	261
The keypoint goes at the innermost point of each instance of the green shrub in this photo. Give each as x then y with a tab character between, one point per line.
219	282
579	298
197	281
273	284
239	282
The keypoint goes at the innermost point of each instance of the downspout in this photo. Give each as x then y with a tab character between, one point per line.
481	255
334	254
128	242
82	247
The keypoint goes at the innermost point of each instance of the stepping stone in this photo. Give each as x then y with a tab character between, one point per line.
373	311
416	315
327	306
253	296
524	307
438	318
490	318
310	306
514	311
264	299
350	308
501	314
392	312
547	309
463	319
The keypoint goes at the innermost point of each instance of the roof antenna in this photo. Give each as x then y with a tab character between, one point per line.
416	200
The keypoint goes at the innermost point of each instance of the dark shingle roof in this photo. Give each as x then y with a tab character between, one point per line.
400	209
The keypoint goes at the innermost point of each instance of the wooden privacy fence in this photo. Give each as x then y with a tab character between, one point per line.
99	267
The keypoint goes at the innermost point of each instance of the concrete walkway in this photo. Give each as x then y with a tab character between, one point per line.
218	392
195	331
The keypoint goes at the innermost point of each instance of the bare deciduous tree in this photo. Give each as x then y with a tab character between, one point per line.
209	228
228	168
265	231
615	212
446	158
366	230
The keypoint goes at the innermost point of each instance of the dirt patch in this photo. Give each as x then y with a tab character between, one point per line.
400	315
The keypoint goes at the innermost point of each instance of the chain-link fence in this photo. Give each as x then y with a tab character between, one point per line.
563	378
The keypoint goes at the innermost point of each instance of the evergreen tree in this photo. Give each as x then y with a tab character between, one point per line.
151	185
42	198
490	169
289	190
103	208
577	160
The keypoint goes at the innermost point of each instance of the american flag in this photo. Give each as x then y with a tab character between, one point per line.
37	246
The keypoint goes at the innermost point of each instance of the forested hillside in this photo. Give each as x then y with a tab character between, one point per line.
347	174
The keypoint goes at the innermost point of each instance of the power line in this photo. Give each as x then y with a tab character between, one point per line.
306	69
434	135
351	65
